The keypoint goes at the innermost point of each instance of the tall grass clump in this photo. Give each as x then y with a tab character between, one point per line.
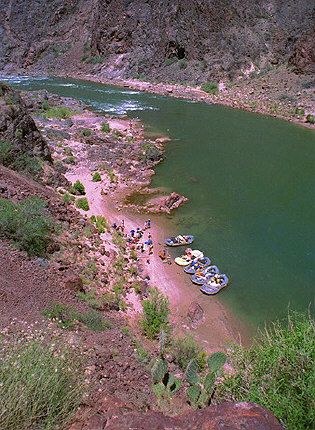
277	372
28	223
210	87
156	313
41	382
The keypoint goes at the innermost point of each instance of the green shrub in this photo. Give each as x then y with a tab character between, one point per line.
77	188
182	64
102	224
62	314
41	382
61	112
82	203
67	198
310	118
185	349
96	177
93	320
105	127
28	164
171	60
112	176
277	372
5	152
155	313
28	223
210	87
45	105
86	132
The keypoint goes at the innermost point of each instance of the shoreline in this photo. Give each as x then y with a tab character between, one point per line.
220	327
182	92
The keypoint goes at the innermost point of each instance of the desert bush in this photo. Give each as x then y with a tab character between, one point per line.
96	177
93	320
28	164
67	198
155	313
210	87
5	152
63	315
102	224
42	382
86	132
310	118
61	112
82	204
28	223
185	349
77	188
277	372
105	127
170	61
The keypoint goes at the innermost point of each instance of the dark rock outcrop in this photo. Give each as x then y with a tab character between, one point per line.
180	39
18	127
114	415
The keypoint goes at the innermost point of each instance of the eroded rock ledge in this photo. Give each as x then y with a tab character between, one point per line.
114	415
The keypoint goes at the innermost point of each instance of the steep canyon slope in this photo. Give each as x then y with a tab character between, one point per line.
181	40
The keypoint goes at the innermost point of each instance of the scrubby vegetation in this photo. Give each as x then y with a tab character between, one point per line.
61	112
28	223
96	177
67	198
156	313
66	317
105	127
26	163
210	87
77	188
86	132
277	372
82	204
185	349
42	381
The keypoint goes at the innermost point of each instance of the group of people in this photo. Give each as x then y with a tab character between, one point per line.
134	237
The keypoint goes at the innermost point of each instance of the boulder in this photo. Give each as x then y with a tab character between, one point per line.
195	314
73	282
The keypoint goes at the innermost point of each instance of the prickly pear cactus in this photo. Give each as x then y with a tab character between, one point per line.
158	390
159	370
216	361
191	372
173	383
193	394
204	399
208	382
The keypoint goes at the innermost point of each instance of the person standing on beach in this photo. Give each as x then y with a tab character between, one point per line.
149	223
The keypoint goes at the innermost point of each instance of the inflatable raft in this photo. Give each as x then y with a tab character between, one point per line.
212	287
201	277
179	240
185	259
197	265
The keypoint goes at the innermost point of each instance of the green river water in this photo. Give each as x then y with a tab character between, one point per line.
250	183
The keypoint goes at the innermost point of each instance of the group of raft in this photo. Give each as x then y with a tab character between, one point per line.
199	266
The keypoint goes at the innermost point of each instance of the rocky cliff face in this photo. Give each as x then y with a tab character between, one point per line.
179	39
18	128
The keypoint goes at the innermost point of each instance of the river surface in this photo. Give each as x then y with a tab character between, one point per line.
251	188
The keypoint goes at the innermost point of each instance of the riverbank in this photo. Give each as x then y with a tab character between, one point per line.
84	149
267	96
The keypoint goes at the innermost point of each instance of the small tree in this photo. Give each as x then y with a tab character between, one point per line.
155	313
